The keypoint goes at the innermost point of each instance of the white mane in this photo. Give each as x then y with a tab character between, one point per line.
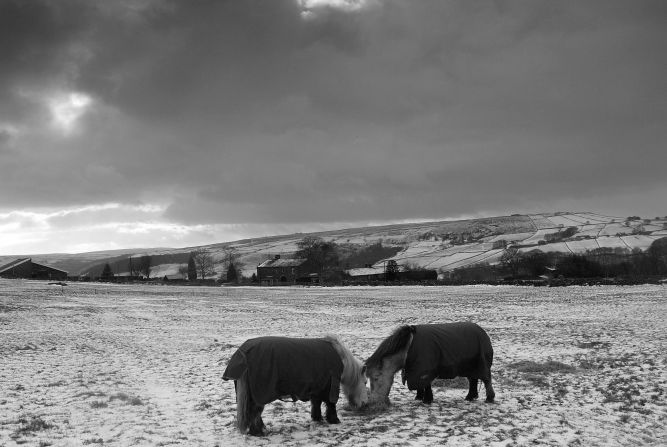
351	365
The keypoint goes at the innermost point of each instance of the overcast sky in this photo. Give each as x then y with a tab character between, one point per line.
154	123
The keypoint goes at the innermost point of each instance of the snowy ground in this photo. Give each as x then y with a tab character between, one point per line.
92	364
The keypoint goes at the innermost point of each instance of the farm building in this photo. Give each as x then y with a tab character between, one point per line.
378	273
279	271
367	273
25	268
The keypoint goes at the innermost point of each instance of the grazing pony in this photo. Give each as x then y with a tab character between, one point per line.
268	368
428	351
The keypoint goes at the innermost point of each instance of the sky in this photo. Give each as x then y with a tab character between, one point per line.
174	123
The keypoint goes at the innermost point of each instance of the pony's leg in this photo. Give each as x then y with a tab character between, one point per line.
428	394
420	394
490	394
332	416
472	388
256	423
316	409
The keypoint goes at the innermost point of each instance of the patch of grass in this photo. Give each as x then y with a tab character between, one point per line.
98	404
93	441
561	392
593	344
550	366
537	380
203	405
87	394
30	424
124	397
587	364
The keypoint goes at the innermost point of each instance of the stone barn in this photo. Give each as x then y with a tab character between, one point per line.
278	271
25	268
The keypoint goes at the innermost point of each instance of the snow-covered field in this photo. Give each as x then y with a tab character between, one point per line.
93	364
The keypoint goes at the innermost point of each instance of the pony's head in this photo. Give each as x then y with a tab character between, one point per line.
353	380
387	359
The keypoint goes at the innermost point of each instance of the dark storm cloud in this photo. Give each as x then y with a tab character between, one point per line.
250	111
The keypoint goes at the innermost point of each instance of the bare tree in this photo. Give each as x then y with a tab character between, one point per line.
204	262
321	255
133	267
511	259
145	266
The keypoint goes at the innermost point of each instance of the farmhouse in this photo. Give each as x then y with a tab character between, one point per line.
25	268
279	271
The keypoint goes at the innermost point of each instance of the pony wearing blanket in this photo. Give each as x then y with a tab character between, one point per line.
428	351
268	368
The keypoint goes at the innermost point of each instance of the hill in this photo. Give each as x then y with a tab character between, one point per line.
442	246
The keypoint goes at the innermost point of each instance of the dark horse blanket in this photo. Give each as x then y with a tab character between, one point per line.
281	366
446	351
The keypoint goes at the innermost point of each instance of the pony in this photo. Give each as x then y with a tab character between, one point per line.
308	369
428	351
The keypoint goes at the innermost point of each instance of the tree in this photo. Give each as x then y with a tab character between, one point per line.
657	253
107	274
511	260
230	261
322	256
577	266
183	271
204	262
192	268
232	273
144	263
535	262
133	267
391	270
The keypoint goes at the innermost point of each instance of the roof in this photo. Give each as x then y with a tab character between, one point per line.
14	263
365	271
17	262
296	262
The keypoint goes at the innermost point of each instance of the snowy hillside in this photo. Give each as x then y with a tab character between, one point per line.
441	246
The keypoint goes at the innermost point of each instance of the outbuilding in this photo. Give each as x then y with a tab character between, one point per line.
26	268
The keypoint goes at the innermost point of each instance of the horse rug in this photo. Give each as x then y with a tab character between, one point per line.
279	366
446	351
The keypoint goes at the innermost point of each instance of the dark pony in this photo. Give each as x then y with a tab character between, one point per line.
268	368
429	351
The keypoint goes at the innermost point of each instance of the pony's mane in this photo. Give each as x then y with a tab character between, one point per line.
351	365
391	345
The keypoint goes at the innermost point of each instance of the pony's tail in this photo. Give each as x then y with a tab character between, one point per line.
243	403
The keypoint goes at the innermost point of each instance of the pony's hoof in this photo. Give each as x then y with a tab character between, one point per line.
333	421
491	400
257	432
470	398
